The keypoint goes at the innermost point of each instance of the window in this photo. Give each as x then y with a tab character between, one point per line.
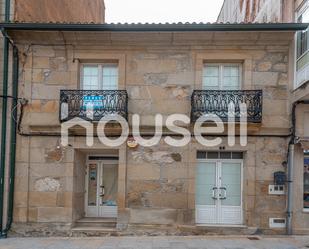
222	76
99	77
219	155
306	180
302	36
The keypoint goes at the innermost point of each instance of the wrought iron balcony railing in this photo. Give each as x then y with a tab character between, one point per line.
92	105
217	102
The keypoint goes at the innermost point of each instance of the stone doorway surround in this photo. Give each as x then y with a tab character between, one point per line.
81	151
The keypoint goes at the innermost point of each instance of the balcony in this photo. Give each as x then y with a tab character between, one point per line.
216	102
92	105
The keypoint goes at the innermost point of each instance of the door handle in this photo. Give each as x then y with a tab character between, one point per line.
103	190
214	196
224	193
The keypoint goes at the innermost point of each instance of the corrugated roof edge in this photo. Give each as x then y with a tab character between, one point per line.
167	27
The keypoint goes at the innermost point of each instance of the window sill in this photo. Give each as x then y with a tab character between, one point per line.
306	210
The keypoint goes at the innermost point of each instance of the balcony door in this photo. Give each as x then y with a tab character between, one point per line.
99	77
222	76
101	189
219	192
95	79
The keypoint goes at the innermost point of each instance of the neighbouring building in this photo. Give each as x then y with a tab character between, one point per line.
149	69
272	11
287	11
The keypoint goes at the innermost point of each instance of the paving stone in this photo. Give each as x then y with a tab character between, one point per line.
155	243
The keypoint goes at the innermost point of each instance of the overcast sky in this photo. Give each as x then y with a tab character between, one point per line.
162	10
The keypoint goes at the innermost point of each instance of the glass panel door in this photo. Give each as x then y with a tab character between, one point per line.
219	192
229	201
92	185
231	184
90	78
206	187
231	77
99	77
110	77
108	190
211	77
110	184
222	76
206	193
102	189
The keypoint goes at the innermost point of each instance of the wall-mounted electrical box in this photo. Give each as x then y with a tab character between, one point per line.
279	178
276	189
277	222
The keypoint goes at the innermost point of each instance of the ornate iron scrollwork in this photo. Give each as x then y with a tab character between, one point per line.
217	102
75	103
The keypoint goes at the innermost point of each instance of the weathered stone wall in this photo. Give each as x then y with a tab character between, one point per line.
159	71
161	182
79	185
45	185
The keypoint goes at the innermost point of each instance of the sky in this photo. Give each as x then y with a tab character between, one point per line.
157	11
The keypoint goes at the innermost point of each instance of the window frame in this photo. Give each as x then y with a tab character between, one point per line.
221	74
303	8
100	75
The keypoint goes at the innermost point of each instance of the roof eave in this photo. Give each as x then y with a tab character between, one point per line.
154	27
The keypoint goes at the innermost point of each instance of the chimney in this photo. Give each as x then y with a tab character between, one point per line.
64	11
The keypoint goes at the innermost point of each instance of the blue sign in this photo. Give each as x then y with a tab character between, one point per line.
93	102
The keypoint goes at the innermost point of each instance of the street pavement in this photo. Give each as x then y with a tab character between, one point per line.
256	242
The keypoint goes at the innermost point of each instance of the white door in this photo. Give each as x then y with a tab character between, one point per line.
101	189
219	192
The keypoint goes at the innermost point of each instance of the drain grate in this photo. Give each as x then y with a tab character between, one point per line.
253	238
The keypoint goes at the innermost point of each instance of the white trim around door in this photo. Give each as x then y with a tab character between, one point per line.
101	188
218	195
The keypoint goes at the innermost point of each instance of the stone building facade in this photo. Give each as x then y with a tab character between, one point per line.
78	189
156	185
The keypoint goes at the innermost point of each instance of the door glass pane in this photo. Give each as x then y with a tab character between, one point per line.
231	180
110	77
90	78
110	184
231	78
92	184
211	77
205	182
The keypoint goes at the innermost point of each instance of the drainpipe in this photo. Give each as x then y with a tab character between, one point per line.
4	111
290	172
290	189
10	200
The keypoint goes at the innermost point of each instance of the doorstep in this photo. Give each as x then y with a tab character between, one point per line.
219	229
92	229
95	224
218	225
